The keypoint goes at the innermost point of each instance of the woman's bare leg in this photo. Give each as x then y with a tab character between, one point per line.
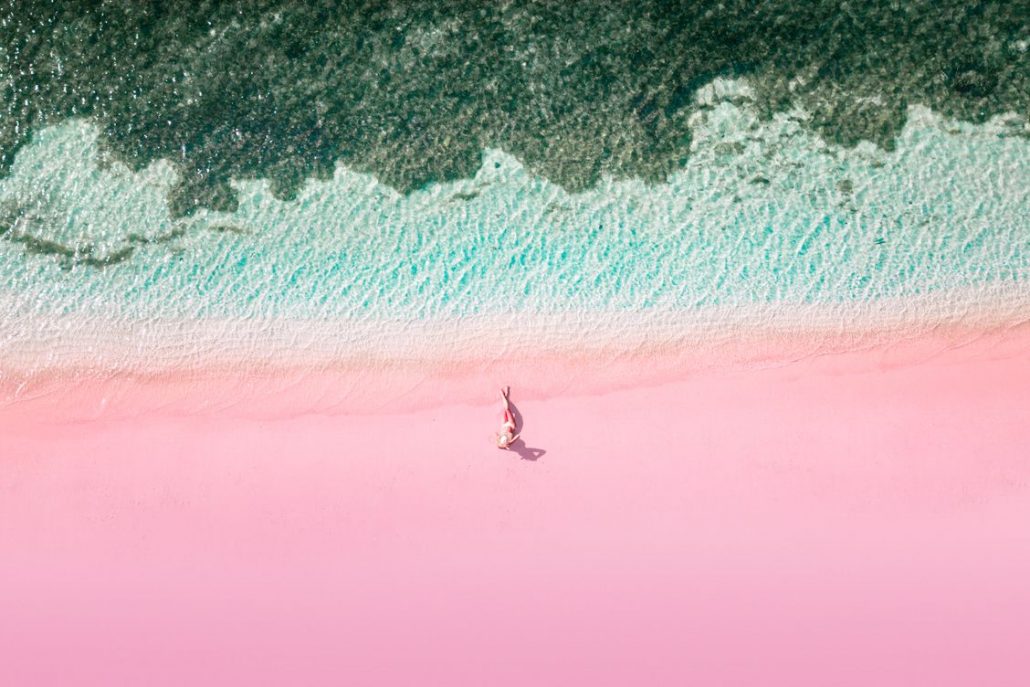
508	416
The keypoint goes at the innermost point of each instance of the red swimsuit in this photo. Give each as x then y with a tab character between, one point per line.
509	420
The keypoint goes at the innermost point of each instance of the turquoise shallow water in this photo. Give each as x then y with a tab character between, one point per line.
764	211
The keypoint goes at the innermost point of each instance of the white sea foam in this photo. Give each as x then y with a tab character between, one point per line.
101	345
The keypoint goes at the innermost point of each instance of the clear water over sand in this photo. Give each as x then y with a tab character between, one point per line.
764	212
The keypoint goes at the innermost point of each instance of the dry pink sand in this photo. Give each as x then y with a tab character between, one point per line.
857	519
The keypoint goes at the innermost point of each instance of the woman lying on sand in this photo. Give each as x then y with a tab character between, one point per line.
506	437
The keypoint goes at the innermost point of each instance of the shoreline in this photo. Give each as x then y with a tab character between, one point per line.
377	366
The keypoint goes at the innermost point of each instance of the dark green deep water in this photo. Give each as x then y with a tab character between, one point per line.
414	91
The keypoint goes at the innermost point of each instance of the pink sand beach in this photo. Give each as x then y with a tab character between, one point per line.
852	518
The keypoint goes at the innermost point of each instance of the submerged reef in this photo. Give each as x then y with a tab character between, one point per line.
26	224
413	91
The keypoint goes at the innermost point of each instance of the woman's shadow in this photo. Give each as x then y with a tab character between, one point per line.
519	446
